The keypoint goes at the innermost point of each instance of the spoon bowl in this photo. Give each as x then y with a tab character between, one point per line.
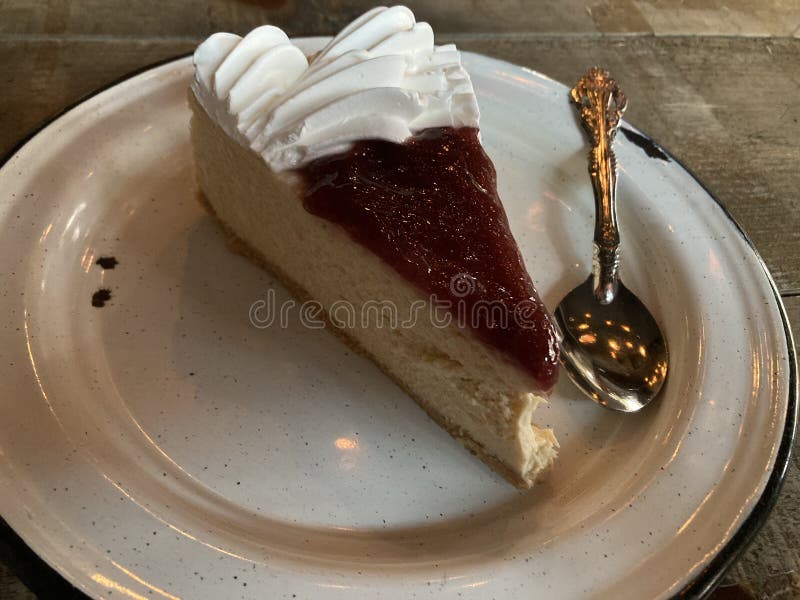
615	352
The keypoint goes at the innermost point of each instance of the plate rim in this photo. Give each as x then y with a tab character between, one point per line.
700	586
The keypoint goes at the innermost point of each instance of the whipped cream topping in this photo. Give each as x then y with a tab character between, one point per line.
381	77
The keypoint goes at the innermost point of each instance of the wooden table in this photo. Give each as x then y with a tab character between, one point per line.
717	83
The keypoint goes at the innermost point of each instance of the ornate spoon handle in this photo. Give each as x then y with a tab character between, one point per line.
601	104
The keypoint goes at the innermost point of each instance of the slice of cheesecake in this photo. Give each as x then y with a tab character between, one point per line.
357	177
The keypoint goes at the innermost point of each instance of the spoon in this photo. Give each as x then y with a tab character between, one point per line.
611	346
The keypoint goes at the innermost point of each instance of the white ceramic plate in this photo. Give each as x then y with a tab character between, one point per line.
163	446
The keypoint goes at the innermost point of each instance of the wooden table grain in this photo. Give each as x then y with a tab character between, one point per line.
716	83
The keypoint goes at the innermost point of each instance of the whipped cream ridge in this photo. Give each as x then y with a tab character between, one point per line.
381	77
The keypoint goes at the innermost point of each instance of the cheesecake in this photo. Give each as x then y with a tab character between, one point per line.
356	176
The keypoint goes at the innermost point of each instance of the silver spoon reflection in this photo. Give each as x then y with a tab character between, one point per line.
611	346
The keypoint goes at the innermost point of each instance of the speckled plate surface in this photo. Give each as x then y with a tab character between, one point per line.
162	446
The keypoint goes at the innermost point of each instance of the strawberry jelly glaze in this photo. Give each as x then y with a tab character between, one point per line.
429	208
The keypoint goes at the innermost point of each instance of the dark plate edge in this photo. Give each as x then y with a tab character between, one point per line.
45	581
707	580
